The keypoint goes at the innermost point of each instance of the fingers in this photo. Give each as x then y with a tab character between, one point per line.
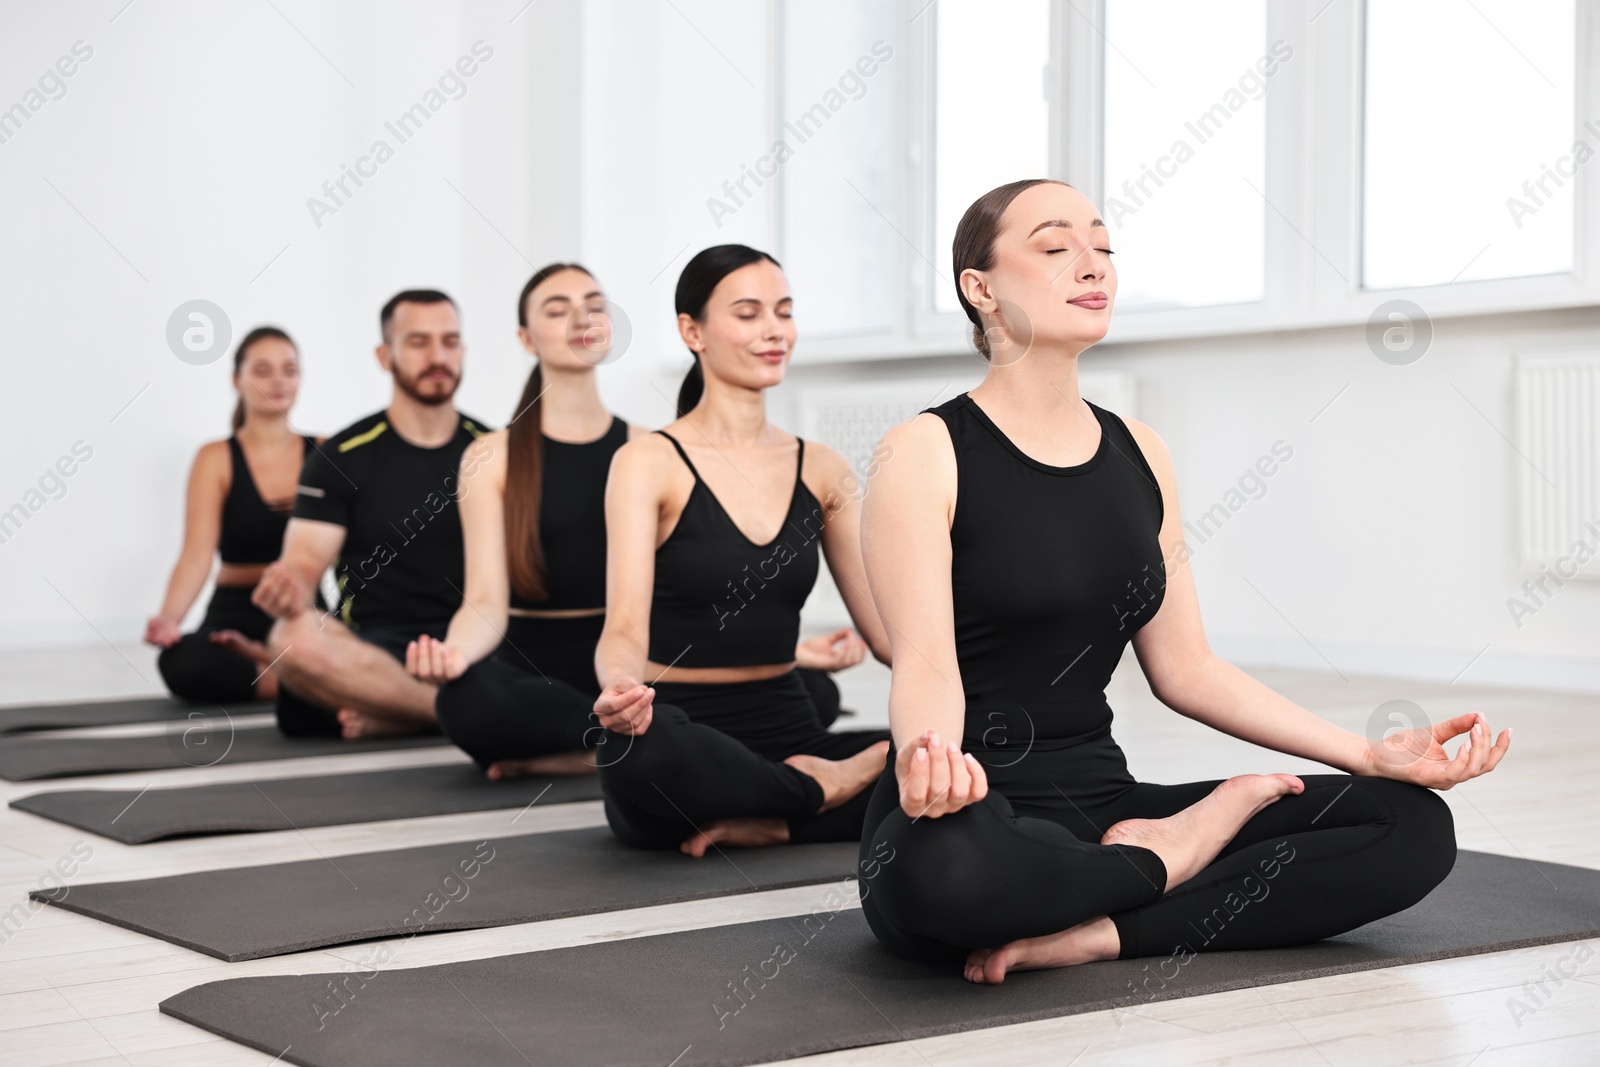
938	770
1444	731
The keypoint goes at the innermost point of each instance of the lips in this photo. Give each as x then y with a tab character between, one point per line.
1092	301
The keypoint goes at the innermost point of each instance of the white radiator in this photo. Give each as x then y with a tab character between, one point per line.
1558	474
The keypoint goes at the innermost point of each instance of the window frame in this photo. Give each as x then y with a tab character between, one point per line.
1314	189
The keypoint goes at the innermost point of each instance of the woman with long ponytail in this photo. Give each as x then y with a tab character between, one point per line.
241	490
516	668
712	732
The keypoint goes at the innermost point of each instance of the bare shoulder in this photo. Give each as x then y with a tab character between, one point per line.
646	455
214	457
1153	447
635	431
923	441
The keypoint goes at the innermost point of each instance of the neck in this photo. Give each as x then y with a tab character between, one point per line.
731	414
1044	382
570	407
264	428
428	425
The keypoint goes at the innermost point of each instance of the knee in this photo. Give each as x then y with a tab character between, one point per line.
179	669
301	647
927	870
1423	840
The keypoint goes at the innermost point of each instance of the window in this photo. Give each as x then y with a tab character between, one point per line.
991	120
837	229
1481	185
1185	149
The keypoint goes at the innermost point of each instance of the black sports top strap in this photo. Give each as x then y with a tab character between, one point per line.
682	453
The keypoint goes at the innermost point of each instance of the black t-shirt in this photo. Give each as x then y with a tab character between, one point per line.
402	562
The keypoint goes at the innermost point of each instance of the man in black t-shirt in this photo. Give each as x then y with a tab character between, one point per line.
376	501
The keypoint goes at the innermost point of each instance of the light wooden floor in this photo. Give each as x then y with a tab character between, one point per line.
76	991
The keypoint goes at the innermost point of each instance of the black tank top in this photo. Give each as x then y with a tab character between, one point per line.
572	521
252	528
720	599
1052	571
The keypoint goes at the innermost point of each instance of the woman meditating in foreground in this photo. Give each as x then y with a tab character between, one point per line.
1019	539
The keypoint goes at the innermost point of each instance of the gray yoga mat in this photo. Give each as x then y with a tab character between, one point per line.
811	983
245	913
202	742
111	713
137	818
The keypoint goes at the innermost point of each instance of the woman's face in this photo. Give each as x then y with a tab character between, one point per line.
268	380
746	333
568	322
1052	284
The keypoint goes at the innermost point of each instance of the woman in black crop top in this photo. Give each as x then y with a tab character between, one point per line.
516	668
239	497
1020	540
713	530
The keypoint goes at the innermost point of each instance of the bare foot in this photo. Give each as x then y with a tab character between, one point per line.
355	724
746	832
240	645
842	779
1084	943
559	764
1189	840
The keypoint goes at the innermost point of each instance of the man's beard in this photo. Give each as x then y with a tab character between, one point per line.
433	393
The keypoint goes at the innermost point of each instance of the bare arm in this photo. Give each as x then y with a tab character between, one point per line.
633	514
479	624
202	529
905	537
841	546
1192	680
288	585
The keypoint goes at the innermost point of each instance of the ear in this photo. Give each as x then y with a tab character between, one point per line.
689	330
383	355
975	287
526	339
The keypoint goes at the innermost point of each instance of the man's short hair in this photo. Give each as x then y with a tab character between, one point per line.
409	296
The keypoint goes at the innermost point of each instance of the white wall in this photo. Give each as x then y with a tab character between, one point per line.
190	142
192	138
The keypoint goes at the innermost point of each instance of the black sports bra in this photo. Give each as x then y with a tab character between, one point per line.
572	521
252	528
1052	571
720	599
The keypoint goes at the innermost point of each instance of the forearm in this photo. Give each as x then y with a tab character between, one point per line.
1225	698
619	657
920	700
188	578
475	630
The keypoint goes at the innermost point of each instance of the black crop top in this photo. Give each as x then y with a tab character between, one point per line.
1052	571
572	521
720	599
252	528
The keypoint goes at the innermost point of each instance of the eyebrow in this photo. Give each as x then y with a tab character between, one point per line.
1096	224
563	296
757	302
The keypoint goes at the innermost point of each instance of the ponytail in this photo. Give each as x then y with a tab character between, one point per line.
692	389
238	414
524	489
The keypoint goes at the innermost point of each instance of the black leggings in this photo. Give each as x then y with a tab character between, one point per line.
532	696
196	669
1343	853
535	694
716	752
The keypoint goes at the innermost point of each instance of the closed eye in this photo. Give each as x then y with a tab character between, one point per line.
1053	251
